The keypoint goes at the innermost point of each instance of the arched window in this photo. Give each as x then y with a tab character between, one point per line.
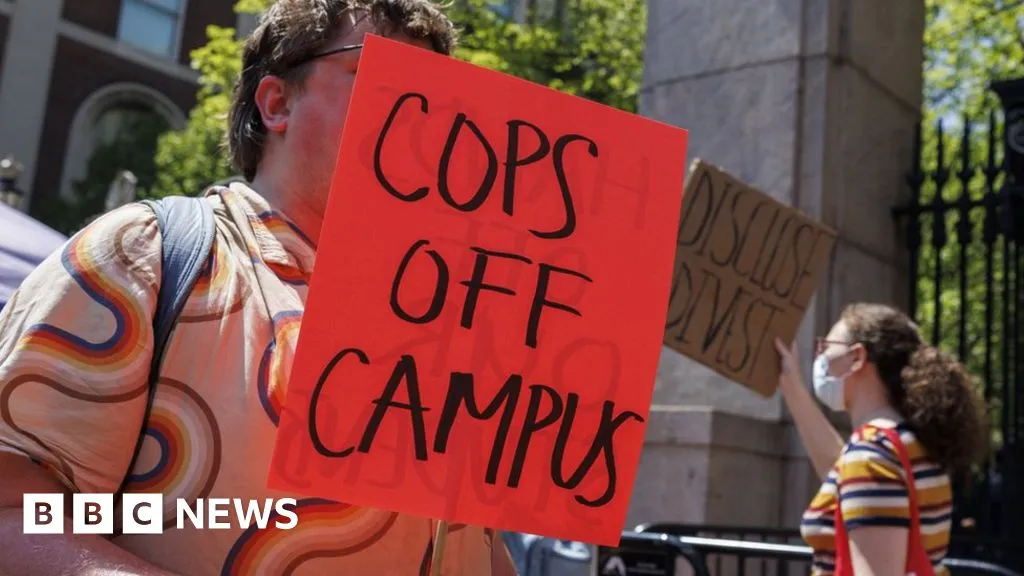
126	121
115	129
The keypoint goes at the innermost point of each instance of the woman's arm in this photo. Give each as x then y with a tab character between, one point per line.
821	440
879	551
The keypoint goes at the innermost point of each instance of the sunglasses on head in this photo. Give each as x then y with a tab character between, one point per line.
318	55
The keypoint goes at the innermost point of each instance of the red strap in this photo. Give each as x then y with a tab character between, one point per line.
918	562
908	472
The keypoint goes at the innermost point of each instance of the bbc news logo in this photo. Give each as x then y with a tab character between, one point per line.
144	513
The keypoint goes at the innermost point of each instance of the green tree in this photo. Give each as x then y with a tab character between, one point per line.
969	43
593	50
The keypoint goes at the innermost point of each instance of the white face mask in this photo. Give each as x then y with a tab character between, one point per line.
829	389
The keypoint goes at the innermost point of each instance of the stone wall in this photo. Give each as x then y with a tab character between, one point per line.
710	456
814	102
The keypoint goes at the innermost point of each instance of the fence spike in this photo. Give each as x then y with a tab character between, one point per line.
939	207
991	171
965	175
941	174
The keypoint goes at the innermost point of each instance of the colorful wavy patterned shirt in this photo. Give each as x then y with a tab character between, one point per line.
871	485
75	348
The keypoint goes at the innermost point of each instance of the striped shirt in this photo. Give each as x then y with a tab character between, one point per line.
869	481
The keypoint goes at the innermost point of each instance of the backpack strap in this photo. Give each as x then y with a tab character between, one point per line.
187	229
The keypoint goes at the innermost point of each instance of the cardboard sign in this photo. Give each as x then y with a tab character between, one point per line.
746	268
484	321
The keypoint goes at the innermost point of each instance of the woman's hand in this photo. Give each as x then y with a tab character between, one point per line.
789	376
822	441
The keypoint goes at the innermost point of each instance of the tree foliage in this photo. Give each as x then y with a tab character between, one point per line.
594	50
969	43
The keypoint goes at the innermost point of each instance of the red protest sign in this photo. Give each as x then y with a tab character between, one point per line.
484	321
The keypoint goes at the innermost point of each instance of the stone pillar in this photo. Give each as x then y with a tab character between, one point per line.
697	467
814	102
25	82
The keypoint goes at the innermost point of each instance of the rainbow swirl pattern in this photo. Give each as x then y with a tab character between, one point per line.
119	352
277	224
325	529
294	242
181	453
276	363
118	358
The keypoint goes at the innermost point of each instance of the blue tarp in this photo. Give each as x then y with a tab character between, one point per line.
24	243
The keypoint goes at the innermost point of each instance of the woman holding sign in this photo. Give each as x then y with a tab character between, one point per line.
913	408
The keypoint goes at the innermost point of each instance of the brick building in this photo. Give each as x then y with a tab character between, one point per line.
72	70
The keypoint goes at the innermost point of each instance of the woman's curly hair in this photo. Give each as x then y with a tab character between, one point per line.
929	387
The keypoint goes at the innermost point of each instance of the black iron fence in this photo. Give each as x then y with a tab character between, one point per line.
964	226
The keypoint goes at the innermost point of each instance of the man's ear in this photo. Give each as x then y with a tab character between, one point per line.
272	100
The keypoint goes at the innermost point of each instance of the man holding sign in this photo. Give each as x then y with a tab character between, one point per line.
76	344
483	327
